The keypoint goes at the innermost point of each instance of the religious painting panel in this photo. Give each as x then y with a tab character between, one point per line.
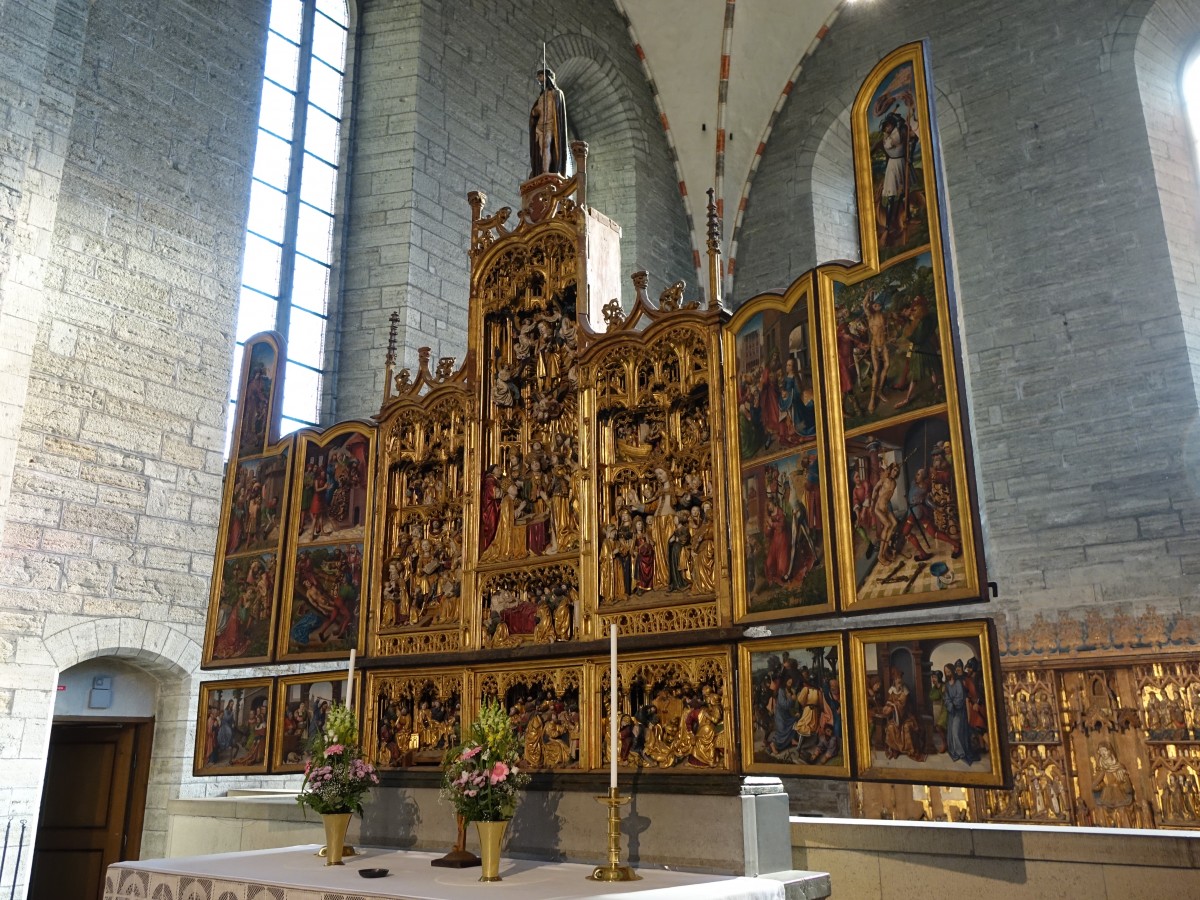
536	605
793	719
909	521
925	705
675	712
891	123
778	515
421	563
233	727
543	706
326	577
412	717
658	511
302	704
259	394
257	506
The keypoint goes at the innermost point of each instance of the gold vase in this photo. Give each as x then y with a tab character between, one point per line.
335	836
491	835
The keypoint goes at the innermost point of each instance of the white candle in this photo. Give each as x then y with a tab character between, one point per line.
612	705
350	682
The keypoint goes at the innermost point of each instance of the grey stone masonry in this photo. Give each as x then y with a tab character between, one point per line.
1075	325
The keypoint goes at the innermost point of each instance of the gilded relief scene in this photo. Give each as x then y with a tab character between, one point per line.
795	710
416	718
234	724
784	534
673	715
324	607
256	397
897	163
256	510
304	706
889	352
421	568
905	511
657	518
924	711
333	497
536	606
543	707
244	615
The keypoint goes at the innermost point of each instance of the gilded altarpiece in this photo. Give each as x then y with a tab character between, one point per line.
543	704
413	717
422	461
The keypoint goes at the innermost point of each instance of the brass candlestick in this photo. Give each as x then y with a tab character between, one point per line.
614	871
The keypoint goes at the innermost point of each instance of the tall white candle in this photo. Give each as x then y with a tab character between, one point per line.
350	681
612	705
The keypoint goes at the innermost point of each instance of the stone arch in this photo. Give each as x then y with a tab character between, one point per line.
600	111
1167	35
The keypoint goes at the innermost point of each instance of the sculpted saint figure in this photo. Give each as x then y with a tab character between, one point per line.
548	128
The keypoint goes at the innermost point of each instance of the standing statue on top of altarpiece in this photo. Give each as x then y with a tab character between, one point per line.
548	128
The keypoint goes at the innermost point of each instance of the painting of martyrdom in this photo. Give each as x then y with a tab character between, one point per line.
784	534
256	505
794	718
242	625
416	719
776	398
304	702
897	164
256	398
889	351
333	489
233	727
530	607
924	709
422	579
669	719
530	486
905	513
546	722
324	609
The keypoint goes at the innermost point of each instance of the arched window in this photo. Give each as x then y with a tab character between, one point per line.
289	231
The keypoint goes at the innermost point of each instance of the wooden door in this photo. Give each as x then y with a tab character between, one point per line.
93	803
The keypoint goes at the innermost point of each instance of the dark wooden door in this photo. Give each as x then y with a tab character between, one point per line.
93	803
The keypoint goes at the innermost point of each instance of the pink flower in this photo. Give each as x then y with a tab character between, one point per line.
499	773
470	752
333	750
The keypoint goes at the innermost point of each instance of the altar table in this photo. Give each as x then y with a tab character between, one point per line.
296	873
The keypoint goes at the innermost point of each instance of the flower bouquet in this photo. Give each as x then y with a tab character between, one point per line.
482	781
336	778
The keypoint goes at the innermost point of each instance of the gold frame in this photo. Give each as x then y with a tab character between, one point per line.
286	447
555	671
866	768
829	275
199	769
796	642
696	658
370	711
803	289
304	439
279	764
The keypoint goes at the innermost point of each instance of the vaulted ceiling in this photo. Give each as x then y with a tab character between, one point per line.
721	69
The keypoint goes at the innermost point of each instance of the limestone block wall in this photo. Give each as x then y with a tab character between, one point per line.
1081	384
128	134
461	74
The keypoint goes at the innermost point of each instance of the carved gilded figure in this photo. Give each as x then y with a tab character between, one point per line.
548	128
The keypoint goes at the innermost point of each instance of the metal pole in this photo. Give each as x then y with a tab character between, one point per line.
17	866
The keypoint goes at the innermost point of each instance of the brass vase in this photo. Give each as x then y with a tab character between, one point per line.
491	835
335	836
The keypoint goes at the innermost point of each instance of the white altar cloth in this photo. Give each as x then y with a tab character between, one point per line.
296	873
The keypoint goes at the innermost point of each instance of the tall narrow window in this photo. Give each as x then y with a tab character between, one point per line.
289	231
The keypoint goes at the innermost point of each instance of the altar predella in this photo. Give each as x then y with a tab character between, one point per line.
671	469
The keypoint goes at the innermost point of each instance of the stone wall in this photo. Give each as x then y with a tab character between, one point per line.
461	73
128	137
